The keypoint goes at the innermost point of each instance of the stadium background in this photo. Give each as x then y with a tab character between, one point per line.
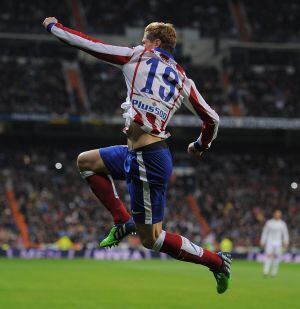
56	102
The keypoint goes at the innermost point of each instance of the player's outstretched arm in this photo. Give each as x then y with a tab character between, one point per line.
210	119
116	55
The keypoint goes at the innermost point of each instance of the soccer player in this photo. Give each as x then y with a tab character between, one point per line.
274	236
156	87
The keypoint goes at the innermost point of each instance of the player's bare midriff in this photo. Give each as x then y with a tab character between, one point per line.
137	138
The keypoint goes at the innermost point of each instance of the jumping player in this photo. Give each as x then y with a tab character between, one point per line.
156	87
275	235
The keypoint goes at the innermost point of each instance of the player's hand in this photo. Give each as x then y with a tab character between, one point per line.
193	151
49	20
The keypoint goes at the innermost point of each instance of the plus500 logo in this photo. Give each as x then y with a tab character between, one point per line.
149	108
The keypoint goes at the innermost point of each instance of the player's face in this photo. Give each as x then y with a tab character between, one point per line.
277	215
150	44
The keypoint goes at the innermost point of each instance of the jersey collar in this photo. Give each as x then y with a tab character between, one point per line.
162	51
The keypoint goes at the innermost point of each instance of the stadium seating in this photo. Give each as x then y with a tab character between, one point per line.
30	85
260	92
207	16
276	23
101	81
235	193
235	91
211	18
24	17
235	198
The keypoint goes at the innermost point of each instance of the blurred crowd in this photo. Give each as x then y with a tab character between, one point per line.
26	17
209	17
56	202
33	81
33	85
114	16
273	22
105	86
235	194
233	91
212	18
259	91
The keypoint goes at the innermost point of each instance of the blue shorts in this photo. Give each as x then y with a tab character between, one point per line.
147	171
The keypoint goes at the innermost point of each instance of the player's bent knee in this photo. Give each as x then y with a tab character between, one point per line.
149	233
91	161
82	162
148	242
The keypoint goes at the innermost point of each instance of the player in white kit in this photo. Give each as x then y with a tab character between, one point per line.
274	238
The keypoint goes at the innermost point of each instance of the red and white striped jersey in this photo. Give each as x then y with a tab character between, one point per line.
156	84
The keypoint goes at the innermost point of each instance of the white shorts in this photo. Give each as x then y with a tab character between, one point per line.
272	248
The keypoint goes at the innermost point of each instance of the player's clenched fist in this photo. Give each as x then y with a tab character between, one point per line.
192	150
49	20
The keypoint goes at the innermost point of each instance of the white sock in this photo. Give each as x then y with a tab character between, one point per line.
86	174
267	265
159	241
275	266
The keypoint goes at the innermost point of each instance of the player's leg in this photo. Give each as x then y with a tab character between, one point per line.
91	162
276	260
94	170
267	259
177	246
150	172
182	249
267	263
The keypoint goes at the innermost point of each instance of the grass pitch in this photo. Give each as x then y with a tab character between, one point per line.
156	284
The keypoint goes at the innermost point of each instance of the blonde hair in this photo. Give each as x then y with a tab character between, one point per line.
163	31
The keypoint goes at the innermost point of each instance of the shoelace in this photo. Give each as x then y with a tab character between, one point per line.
226	263
120	232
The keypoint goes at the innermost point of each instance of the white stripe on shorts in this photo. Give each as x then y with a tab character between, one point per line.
146	188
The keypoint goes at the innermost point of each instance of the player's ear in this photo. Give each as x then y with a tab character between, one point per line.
157	42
